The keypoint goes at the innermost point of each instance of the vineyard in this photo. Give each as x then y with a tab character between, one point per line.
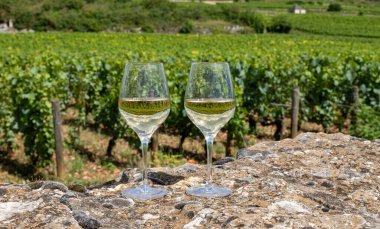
84	72
332	24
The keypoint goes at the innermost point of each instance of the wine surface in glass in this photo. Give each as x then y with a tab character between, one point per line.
144	115
210	115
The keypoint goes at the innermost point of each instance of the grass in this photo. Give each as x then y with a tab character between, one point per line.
219	150
108	165
126	153
168	160
75	180
76	165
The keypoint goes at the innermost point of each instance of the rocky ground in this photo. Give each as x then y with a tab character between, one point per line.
313	181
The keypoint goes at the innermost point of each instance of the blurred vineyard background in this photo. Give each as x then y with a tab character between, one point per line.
270	51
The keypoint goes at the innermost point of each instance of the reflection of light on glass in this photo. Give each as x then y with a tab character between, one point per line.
210	104
144	104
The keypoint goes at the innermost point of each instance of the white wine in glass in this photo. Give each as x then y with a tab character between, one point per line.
210	104
144	104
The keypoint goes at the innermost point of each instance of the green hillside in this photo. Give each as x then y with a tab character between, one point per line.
354	19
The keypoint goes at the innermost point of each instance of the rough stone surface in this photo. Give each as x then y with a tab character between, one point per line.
123	177
162	178
85	221
314	181
77	188
223	161
257	155
54	185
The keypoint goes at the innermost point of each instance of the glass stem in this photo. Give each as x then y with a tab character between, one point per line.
144	149
209	144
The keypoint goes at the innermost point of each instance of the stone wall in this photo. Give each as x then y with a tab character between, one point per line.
313	181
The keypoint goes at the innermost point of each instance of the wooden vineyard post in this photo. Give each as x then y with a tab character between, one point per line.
58	138
295	111
354	104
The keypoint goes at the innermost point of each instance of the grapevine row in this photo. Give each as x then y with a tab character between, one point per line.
90	82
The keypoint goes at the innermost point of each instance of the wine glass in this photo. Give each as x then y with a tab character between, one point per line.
210	104
144	104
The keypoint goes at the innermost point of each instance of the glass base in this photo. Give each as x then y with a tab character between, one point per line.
144	193
209	191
